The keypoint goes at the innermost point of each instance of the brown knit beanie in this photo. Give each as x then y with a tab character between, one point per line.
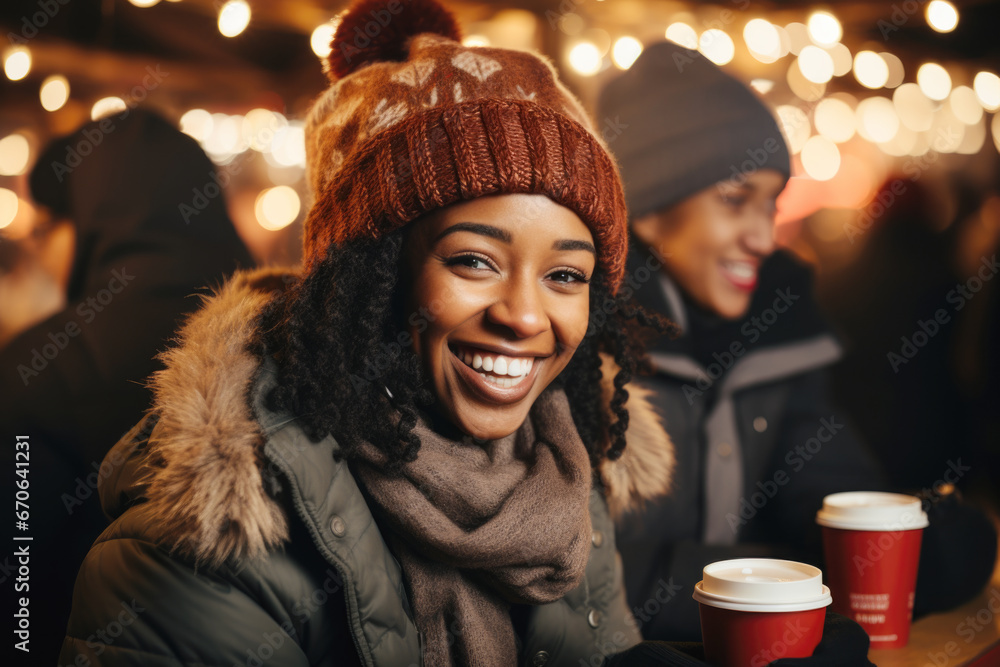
415	121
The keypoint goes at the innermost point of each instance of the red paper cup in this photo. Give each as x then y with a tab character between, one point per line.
755	610
871	542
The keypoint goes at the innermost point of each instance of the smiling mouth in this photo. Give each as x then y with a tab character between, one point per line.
500	370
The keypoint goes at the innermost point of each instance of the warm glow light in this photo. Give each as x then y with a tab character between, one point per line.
798	37
144	3
224	140
625	51
683	34
975	137
816	64
834	120
585	59
965	105
915	110
197	123
277	207
803	87
987	87
8	207
260	126
54	92
288	149
824	28
896	71
941	15
842	59
475	40
717	46
995	131
320	39
934	81
14	155
901	144
877	119
762	86
762	40
947	132
795	126
870	69
820	158
234	17
107	106
17	62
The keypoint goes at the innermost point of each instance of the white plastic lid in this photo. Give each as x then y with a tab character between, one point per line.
872	510
762	584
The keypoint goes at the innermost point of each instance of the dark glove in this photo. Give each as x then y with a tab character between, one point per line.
844	644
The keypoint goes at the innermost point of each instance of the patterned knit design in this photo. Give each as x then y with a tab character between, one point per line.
393	141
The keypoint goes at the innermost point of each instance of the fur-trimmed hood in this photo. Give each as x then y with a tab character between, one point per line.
203	486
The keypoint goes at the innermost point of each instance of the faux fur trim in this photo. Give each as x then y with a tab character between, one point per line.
205	495
645	469
205	492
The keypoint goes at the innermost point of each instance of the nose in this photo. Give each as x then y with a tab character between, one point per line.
520	308
759	235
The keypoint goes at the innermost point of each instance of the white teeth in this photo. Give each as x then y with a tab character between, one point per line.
498	365
504	382
740	269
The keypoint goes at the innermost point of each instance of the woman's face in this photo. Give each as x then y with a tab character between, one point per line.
499	301
714	242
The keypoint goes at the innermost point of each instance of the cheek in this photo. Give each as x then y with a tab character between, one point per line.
571	319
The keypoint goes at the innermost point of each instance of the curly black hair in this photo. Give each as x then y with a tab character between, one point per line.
346	366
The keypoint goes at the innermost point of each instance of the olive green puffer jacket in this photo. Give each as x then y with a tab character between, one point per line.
237	541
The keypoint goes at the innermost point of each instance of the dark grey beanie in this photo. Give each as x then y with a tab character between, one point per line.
683	124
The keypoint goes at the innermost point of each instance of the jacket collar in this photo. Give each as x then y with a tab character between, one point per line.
207	473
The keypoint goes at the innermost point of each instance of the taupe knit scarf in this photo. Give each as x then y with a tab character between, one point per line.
478	526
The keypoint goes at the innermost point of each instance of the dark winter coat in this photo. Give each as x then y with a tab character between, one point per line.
237	541
757	442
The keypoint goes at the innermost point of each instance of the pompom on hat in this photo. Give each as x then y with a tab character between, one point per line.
415	121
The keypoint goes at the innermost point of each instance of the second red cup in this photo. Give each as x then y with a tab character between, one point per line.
871	542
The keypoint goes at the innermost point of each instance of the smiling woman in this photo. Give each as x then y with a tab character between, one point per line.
431	412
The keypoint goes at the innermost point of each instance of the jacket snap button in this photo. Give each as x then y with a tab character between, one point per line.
724	450
597	538
760	424
337	526
594	618
541	658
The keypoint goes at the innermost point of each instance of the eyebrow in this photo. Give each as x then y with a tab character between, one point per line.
477	228
505	236
575	245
